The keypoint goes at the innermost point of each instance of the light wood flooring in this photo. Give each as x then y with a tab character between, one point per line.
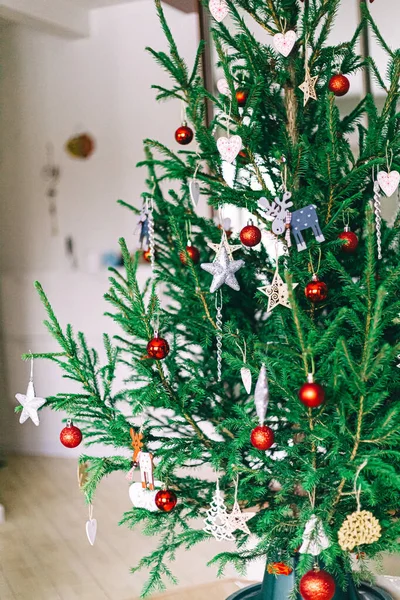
44	552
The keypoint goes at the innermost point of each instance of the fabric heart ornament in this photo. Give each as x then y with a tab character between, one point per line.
284	42
218	9
194	188
223	87
143	498
245	374
230	147
91	531
389	182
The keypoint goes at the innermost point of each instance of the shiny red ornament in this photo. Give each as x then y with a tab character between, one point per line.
350	240
312	394
193	253
317	585
262	437
166	500
184	135
250	235
316	290
241	97
158	348
339	84
70	436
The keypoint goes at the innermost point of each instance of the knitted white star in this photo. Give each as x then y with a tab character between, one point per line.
30	404
236	519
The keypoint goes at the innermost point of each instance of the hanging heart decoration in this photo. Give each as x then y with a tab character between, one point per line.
194	188
218	9
245	374
284	42
230	147
223	87
91	530
389	182
143	498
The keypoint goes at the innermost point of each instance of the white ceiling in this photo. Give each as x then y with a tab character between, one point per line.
97	3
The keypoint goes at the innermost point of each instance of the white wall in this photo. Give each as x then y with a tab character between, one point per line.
49	89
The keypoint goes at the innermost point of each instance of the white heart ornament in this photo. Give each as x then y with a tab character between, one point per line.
143	498
284	42
246	378
229	148
218	9
91	531
389	182
223	87
194	188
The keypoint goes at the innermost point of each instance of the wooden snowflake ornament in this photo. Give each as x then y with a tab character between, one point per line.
361	527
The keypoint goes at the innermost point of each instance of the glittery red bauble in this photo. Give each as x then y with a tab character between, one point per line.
71	436
351	241
183	135
193	252
316	291
262	437
312	394
158	348
241	97
250	236
339	85
166	500
317	585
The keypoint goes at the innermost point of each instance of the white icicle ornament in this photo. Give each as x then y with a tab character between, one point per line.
245	374
261	395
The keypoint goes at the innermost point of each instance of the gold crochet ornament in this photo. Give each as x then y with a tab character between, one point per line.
361	527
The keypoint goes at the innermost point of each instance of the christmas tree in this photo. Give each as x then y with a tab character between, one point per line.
270	355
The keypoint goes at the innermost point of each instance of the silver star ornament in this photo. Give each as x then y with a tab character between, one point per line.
277	292
30	404
223	270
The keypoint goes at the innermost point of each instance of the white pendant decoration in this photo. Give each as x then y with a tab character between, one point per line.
218	9
91	527
194	188
284	42
315	539
30	402
216	522
245	374
229	147
142	497
223	87
389	182
378	218
261	395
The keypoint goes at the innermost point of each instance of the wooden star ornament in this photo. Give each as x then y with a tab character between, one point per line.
308	87
277	292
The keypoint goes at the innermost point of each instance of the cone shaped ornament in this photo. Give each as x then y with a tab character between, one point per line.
261	395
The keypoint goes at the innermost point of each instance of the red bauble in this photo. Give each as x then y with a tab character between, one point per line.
316	290
312	394
262	437
250	235
317	585
183	135
241	97
350	240
166	500
158	348
70	436
193	253
339	84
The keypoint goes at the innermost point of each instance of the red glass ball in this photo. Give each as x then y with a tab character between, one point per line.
312	394
262	437
250	236
193	253
71	436
241	97
183	135
317	585
350	241
166	500
158	348
339	84
316	291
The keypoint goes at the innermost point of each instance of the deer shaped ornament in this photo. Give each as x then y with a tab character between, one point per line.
297	221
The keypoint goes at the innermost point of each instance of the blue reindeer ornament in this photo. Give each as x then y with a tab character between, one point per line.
296	221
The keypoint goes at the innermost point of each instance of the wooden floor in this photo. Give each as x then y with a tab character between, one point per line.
44	552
